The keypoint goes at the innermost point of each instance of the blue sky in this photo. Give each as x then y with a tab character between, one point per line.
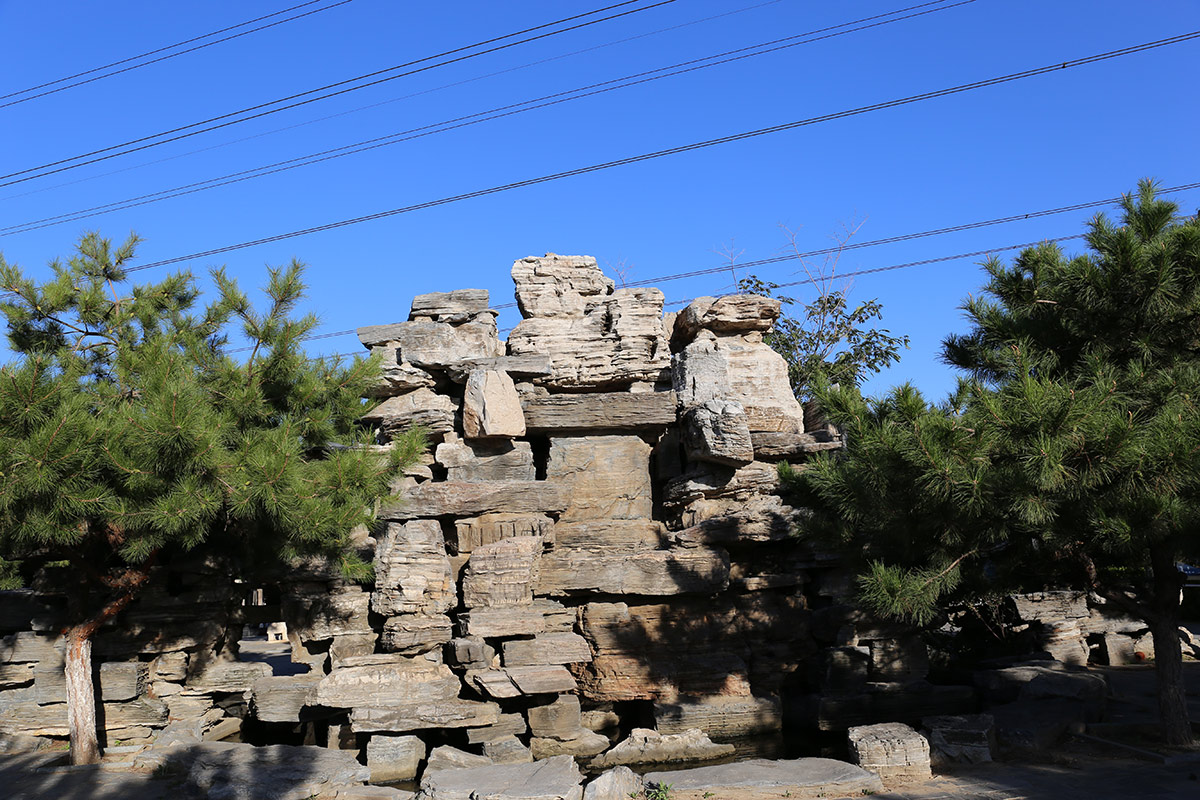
1071	136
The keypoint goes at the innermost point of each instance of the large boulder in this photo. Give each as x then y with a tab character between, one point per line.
412	571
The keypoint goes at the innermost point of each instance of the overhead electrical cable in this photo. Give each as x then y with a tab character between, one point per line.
94	77
787	126
263	109
421	93
544	101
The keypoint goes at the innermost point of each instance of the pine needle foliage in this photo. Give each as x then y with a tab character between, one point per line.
128	431
1070	452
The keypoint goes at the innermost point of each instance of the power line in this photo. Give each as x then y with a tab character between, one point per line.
162	50
680	149
544	101
421	93
145	142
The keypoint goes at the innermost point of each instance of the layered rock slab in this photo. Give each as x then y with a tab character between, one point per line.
551	779
762	779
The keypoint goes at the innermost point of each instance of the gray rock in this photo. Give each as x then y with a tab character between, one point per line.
491	408
532	365
538	617
507	750
507	725
412	571
772	446
321	613
452	713
472	652
473	532
559	719
458	499
229	676
547	648
651	747
735	313
457	306
447	757
485	461
123	680
718	431
226	771
618	783
552	779
419	407
283	698
412	634
621	535
761	779
558	286
592	412
436	345
892	750
583	745
960	739
757	520
653	573
169	667
29	718
719	481
27	647
1048	606
374	793
402	682
398	377
518	681
13	676
502	574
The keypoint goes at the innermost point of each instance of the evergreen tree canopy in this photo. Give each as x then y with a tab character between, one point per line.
1071	452
128	430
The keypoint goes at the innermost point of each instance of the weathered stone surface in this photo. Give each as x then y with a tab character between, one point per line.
961	739
123	680
651	747
547	648
1040	681
321	613
558	286
282	698
507	750
583	745
552	779
398	377
538	617
415	633
615	340
14	675
760	779
739	368
623	411
734	313
892	750
412	572
476	531
471	652
724	718
718	481
518	681
485	461
770	446
31	719
169	667
459	499
608	476
503	573
227	771
899	660
451	713
507	725
434	345
447	757
457	306
717	431
1063	640
491	408
652	573
228	676
621	535
531	365
618	783
418	407
600	719
27	646
1048	606
402	682
759	520
394	758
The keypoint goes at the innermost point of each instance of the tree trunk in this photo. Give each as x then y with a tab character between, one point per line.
1168	656
81	696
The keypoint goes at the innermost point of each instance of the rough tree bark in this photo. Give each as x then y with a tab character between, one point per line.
1168	656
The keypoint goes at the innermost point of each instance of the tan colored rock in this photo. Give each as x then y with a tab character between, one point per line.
532	365
608	476
547	648
503	573
399	377
413	634
476	462
491	408
459	499
758	520
446	757
412	571
474	532
623	535
451	713
518	681
558	286
585	744
770	446
892	750
644	746
733	313
435	345
315	612
283	698
419	407
454	307
538	617
394	758
402	682
718	431
709	481
652	573
558	719
507	725
123	680
599	411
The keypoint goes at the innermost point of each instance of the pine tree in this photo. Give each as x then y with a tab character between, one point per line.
128	433
1069	453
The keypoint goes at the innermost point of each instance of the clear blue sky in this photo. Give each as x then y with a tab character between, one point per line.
1070	136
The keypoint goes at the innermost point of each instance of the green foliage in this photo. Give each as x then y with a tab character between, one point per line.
1069	453
128	431
828	338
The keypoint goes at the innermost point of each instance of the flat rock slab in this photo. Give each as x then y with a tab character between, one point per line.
555	778
224	771
621	411
762	779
